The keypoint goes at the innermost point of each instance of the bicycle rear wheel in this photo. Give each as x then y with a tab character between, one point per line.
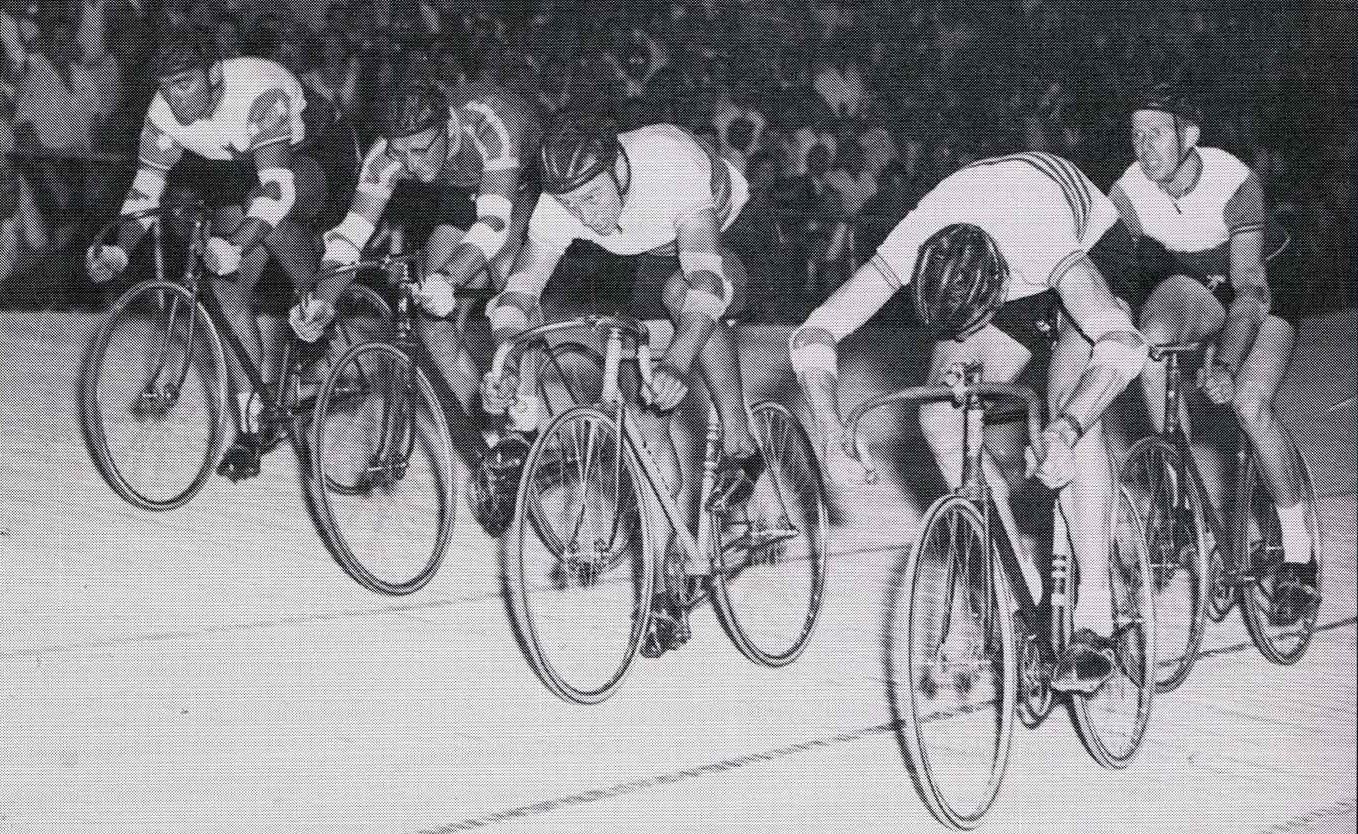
1177	546
153	396
951	665
770	576
382	465
1113	721
581	572
1261	541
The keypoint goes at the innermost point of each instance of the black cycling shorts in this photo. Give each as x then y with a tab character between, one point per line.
222	183
1030	321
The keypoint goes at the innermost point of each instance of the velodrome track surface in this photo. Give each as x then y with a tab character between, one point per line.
212	669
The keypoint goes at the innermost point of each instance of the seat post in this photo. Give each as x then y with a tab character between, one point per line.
973	441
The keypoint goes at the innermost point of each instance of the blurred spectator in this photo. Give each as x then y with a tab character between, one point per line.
738	144
839	81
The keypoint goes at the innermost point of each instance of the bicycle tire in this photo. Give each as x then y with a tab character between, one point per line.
400	434
1180	565
1254	598
547	592
953	529
569	374
1133	600
156	306
742	605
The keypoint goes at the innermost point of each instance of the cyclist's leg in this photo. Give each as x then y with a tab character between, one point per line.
1086	503
1180	309
444	335
1004	358
235	293
1256	384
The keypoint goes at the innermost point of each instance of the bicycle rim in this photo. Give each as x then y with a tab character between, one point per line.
154	396
770	576
569	374
1262	540
580	573
952	667
1113	721
1176	549
387	442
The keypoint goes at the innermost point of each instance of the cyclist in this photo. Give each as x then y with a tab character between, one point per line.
476	137
240	119
1206	208
987	254
660	193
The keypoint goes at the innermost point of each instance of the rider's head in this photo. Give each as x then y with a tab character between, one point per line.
1166	122
188	74
960	281
419	127
578	161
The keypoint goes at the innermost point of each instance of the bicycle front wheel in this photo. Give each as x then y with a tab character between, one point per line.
153	396
1113	721
581	574
770	574
952	665
568	374
1172	512
382	470
1261	543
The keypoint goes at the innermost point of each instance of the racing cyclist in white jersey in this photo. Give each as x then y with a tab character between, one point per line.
241	120
988	253
657	192
1206	209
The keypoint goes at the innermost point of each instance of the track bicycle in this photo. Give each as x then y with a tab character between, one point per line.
584	584
1201	570
154	389
967	647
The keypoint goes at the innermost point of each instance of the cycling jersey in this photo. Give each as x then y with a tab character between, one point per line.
1196	229
671	176
489	129
1043	213
259	103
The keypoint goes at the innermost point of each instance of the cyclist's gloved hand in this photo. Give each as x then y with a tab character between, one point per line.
1057	466
498	392
1218	385
222	256
104	263
310	317
436	295
667	387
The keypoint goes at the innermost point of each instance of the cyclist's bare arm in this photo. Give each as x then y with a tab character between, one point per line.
1250	279
1119	351
707	294
516	308
489	234
278	192
344	244
156	156
813	345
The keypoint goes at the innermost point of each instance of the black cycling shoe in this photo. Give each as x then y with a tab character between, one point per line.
1088	663
1294	593
668	630
494	485
736	477
241	461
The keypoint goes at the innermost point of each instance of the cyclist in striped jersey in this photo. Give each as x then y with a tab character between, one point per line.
989	254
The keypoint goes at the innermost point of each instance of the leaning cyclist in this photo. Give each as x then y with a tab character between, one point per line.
988	254
1206	208
475	138
240	119
660	193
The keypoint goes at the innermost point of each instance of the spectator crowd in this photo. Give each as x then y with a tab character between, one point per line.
841	113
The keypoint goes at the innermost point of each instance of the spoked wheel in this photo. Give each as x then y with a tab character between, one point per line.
770	576
1113	720
154	396
1261	542
952	665
382	463
1177	547
1222	596
569	374
579	569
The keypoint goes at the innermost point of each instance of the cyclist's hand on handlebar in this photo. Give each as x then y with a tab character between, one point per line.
1218	385
842	465
1057	466
436	296
667	387
310	317
104	263
498	393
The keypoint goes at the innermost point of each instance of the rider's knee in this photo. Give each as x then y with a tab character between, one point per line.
941	429
1252	405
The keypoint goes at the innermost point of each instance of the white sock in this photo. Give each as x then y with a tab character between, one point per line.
1095	608
1296	537
250	408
